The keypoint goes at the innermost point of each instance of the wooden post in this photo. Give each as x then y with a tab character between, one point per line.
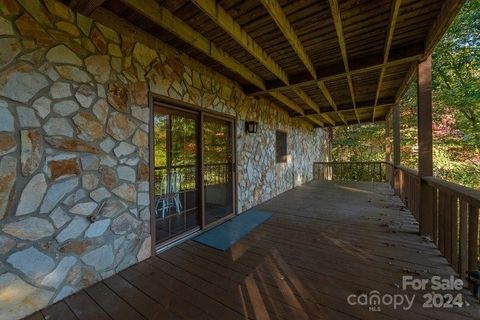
396	148
425	152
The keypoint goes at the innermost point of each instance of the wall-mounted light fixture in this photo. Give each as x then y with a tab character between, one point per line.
251	126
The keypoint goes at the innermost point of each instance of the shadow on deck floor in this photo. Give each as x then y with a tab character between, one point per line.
325	241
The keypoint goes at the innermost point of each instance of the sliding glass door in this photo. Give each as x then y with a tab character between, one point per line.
194	171
176	172
218	165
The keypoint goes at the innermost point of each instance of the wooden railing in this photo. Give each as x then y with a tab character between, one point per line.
449	214
377	171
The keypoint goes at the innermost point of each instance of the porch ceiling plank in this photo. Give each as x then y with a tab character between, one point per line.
299	92
388	42
337	20
168	21
286	101
368	63
328	97
278	15
225	21
86	7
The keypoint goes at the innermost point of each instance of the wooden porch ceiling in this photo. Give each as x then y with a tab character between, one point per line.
333	62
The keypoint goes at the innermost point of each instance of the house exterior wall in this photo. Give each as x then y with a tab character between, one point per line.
74	131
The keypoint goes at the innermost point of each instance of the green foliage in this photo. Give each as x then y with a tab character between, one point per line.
456	110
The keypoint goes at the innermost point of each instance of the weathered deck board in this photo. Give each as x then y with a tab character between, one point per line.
324	242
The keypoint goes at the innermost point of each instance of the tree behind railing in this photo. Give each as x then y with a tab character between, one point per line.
374	171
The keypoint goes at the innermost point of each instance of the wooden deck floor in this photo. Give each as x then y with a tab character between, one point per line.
324	242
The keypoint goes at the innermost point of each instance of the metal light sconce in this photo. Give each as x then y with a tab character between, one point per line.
251	126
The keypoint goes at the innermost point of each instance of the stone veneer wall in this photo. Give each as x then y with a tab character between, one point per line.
74	143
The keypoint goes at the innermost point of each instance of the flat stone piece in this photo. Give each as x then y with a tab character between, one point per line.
73	73
58	127
7	143
69	28
10	49
126	192
60	90
66	108
145	249
31	228
73	230
63	55
56	193
7	123
99	67
90	162
85	96
100	194
56	277
141	113
98	40
100	258
20	82
108	33
6	244
32	195
42	106
89	182
37	11
84	209
59	217
143	54
100	110
27	117
63	168
124	223
8	174
84	23
120	127
117	96
60	10
31	29
23	298
126	173
6	27
89	127
97	228
32	150
124	149
74	145
109	177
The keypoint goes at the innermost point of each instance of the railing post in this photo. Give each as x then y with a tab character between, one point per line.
396	148
388	148
425	153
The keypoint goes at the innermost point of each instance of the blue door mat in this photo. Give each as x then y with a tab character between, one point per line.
228	233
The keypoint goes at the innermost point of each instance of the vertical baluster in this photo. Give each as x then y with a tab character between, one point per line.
435	215
463	249
448	228
441	221
454	233
472	238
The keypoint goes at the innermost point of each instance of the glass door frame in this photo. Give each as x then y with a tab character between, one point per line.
167	102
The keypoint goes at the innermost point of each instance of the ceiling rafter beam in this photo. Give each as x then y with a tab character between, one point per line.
278	15
168	21
289	103
398	56
388	43
323	88
228	24
337	21
315	120
85	7
309	102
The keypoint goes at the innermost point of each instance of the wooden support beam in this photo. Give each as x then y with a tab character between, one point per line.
289	103
337	21
425	144
277	14
302	95
328	97
388	141
165	19
388	42
353	122
85	7
398	56
221	17
315	120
